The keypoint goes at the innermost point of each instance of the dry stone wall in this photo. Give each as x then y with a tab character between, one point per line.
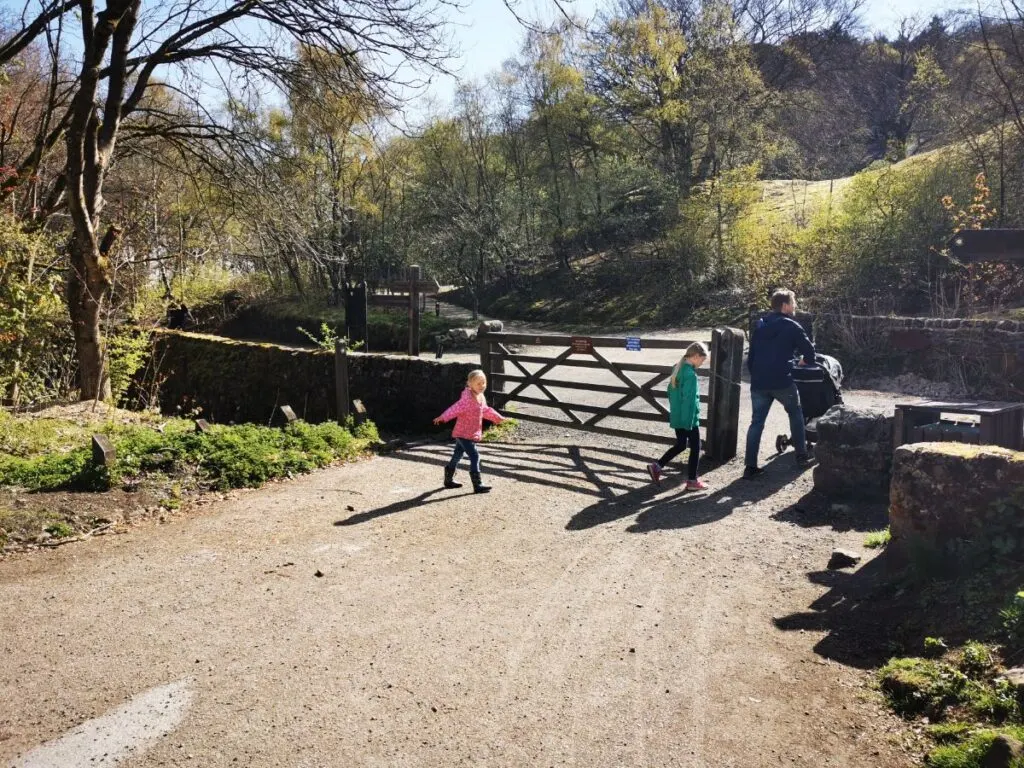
854	452
948	497
240	381
984	358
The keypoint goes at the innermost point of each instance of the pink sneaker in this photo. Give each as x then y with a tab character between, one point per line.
696	485
654	470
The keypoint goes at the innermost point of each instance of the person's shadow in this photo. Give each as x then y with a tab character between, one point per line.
669	506
404	505
547	465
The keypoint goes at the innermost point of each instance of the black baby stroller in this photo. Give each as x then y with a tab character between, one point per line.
820	386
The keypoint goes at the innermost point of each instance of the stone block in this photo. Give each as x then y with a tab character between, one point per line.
946	492
103	454
854	452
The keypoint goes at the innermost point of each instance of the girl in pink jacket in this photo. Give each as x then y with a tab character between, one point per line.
469	413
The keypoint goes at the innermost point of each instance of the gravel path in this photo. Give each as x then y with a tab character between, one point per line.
360	616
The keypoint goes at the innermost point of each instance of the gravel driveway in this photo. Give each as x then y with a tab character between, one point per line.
360	616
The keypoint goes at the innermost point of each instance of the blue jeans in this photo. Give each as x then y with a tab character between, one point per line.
468	447
761	400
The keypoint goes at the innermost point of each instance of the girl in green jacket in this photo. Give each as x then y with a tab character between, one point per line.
684	415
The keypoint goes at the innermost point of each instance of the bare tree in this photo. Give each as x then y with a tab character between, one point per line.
128	47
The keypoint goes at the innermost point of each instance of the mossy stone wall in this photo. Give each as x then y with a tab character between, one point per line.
986	357
243	381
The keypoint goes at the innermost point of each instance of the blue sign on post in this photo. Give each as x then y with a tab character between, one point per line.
633	343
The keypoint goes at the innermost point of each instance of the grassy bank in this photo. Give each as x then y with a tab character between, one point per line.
157	461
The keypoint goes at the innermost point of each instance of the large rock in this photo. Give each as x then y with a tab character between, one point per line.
854	452
942	492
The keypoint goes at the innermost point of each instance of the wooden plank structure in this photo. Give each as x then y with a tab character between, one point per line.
997	423
978	245
511	379
409	294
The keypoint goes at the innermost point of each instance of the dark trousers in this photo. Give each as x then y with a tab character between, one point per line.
468	447
684	438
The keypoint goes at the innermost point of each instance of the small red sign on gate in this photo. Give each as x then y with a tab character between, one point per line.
581	345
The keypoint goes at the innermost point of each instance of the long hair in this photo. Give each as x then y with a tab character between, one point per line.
473	376
697	349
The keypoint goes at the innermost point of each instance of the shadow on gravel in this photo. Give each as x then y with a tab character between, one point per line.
617	478
888	606
399	506
603	471
679	508
815	509
557	466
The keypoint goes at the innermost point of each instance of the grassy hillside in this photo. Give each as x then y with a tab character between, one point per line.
868	242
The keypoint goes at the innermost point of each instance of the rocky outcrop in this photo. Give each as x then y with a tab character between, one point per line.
854	452
947	496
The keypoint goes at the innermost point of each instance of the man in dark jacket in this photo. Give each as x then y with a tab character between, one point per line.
775	340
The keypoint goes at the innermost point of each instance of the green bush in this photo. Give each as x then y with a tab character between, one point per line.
877	539
246	455
1012	617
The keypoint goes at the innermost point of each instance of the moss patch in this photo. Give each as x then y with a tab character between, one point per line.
970	752
938	689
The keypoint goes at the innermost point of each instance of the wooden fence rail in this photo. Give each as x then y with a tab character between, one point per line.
512	381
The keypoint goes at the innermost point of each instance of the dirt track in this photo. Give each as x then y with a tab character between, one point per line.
575	616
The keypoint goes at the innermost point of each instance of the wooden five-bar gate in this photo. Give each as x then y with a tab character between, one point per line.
514	373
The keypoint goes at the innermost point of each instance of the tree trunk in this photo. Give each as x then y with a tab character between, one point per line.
87	288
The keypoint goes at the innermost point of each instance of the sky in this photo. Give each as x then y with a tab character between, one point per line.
487	33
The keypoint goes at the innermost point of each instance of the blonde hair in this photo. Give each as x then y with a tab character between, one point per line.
475	374
697	349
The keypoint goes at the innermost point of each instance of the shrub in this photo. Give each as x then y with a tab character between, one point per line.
246	455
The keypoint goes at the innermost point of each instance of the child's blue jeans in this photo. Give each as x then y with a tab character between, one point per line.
468	447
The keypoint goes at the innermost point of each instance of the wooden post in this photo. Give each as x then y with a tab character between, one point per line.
489	363
485	349
724	393
414	310
341	380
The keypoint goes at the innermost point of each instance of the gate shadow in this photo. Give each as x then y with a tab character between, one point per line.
679	508
552	465
615	478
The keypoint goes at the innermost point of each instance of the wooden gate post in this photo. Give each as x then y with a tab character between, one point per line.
488	364
724	393
414	310
341	379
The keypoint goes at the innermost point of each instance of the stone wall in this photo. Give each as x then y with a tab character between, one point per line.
241	381
854	452
983	357
951	497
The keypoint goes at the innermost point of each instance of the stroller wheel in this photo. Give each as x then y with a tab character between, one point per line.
781	443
